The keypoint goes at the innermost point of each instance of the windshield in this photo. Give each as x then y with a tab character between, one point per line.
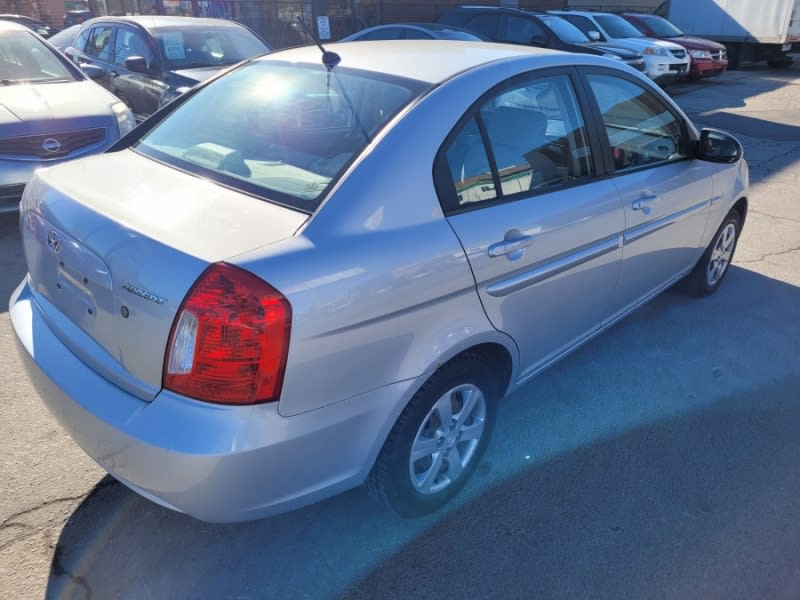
564	30
617	27
281	131
662	27
194	47
26	59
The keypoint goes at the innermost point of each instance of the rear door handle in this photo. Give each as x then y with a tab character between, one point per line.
507	247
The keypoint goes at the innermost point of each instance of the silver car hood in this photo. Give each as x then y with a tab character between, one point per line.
114	242
76	104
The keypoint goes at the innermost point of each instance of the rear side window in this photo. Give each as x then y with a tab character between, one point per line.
284	132
641	129
524	139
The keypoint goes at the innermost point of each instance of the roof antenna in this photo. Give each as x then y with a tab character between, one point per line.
329	59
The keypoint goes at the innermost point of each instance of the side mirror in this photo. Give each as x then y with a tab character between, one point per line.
137	64
718	146
91	71
594	35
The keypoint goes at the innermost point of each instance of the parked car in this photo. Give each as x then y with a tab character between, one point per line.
413	31
514	26
149	60
76	17
338	277
664	61
36	26
64	38
51	111
707	57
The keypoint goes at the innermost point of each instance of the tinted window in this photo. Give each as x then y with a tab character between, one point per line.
662	27
523	31
564	30
641	129
283	132
386	33
487	25
534	139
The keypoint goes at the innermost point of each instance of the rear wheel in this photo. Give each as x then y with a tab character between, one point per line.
438	440
710	270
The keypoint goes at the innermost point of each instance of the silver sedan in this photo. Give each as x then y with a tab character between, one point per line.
316	271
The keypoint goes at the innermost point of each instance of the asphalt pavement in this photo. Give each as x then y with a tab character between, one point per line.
659	461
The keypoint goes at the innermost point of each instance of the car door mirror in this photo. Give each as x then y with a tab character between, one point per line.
91	71
137	64
718	146
594	35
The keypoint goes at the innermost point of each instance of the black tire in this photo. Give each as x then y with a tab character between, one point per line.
710	271
465	378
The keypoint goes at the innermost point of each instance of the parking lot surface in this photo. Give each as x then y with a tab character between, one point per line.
659	461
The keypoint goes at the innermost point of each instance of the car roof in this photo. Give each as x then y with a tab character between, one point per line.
413	61
154	22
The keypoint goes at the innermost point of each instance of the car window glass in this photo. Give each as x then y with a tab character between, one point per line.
536	140
283	132
82	39
385	33
99	45
486	25
641	130
130	43
24	58
522	31
416	34
617	27
582	23
208	46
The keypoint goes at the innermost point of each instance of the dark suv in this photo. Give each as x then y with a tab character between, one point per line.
516	26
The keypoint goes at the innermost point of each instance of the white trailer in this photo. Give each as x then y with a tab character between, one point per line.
752	30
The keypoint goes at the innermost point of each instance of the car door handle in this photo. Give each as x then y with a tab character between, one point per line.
507	247
643	202
114	74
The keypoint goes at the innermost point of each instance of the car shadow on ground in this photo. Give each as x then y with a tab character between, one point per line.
657	461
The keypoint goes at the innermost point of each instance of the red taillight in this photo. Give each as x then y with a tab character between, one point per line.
229	342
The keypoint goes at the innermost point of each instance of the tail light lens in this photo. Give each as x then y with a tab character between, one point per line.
230	340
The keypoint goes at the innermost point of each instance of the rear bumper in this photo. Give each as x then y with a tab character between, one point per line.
216	463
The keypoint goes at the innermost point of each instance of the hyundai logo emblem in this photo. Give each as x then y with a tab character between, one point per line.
51	145
54	242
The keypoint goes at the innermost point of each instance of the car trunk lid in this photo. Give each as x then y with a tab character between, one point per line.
113	244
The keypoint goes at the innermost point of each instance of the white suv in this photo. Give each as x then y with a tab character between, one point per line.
662	60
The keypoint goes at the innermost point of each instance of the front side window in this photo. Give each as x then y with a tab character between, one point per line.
524	139
283	132
99	44
485	25
641	129
523	31
130	43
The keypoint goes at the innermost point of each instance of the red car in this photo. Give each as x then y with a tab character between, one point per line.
708	58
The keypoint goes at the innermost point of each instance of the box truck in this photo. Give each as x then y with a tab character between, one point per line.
752	30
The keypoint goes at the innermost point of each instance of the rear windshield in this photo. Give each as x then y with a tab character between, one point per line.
26	59
283	132
194	47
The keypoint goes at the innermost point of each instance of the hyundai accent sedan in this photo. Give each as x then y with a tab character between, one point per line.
337	279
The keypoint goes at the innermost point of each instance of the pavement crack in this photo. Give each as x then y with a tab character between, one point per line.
769	255
771	216
11	520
